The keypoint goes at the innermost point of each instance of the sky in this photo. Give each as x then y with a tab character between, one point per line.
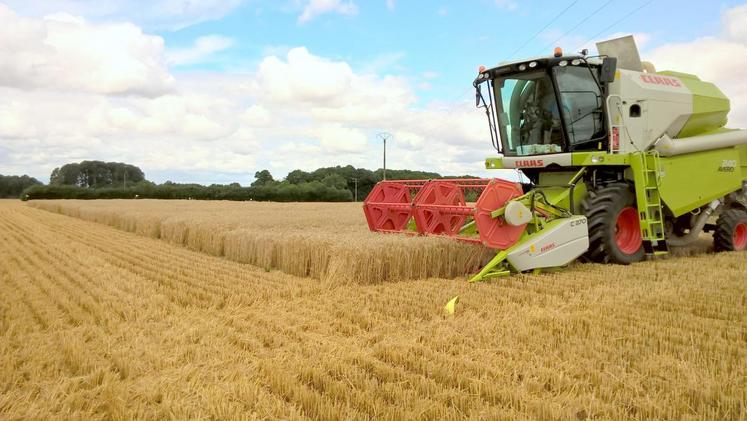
211	91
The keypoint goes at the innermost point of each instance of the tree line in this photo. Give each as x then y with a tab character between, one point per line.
345	178
308	192
116	180
96	174
13	185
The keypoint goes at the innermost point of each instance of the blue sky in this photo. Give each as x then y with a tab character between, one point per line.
451	38
212	91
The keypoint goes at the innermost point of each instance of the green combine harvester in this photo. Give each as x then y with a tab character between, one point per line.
619	162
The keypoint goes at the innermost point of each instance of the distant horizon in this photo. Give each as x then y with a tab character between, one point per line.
46	180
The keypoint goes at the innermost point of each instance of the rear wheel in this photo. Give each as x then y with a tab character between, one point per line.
731	231
614	226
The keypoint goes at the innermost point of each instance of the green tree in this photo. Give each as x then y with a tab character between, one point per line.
335	180
263	178
298	177
96	174
13	185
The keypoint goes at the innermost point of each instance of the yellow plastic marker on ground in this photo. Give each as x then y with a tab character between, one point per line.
450	307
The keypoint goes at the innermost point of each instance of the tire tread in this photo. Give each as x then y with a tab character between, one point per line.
597	207
723	237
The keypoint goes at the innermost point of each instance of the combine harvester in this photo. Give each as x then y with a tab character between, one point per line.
623	162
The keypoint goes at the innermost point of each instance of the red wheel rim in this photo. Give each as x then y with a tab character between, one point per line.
628	231
740	236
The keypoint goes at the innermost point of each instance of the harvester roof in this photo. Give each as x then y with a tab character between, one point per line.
526	64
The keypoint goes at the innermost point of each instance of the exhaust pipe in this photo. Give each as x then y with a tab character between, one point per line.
695	231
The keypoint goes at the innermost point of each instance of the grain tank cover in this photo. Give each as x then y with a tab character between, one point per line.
710	105
625	50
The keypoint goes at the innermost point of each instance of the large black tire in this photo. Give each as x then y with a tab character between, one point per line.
731	231
605	209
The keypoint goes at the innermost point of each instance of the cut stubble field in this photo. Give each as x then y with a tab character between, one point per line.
100	323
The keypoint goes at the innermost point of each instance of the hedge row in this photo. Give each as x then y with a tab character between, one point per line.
281	192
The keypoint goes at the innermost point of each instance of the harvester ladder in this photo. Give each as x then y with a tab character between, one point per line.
649	206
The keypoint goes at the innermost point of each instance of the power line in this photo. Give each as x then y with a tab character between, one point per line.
384	136
355	180
599	9
593	37
543	28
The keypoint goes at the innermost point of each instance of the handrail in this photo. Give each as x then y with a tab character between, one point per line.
612	126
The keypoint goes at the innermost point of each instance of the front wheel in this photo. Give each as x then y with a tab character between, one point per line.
731	231
614	226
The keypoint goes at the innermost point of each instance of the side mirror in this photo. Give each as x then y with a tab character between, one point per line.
478	95
609	67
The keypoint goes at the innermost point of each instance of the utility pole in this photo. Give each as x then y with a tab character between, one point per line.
124	183
355	180
384	136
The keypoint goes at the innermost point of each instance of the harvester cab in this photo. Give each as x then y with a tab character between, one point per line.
622	162
546	105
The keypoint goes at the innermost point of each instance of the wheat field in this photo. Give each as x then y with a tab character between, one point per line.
100	323
326	241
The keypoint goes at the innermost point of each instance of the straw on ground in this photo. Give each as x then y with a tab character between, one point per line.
98	323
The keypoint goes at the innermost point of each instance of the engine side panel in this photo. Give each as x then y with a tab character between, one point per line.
693	180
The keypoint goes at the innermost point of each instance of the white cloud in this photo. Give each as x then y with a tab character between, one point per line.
257	116
303	77
409	140
338	139
15	121
390	4
63	52
331	90
735	23
718	59
202	48
186	115
315	8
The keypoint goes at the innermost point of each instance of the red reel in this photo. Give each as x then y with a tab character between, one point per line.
496	232
387	207
440	208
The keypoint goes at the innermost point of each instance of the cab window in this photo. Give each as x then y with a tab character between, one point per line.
581	103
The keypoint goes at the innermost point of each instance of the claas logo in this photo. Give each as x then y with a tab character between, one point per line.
547	247
530	163
661	80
